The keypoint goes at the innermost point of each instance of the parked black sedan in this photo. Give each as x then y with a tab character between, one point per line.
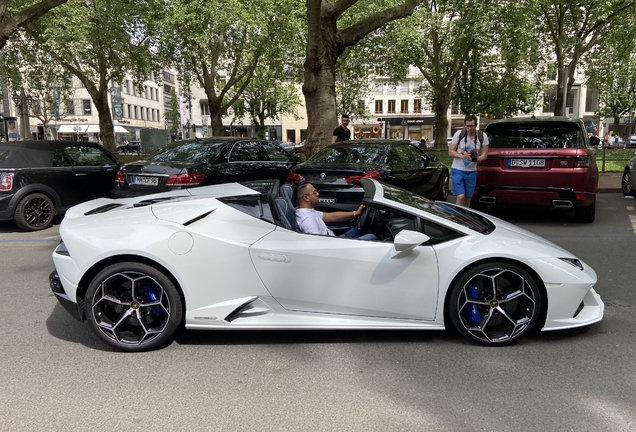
39	179
334	169
203	162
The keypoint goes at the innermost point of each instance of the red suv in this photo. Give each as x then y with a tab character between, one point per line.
545	162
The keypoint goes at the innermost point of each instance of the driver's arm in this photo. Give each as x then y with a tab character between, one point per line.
340	216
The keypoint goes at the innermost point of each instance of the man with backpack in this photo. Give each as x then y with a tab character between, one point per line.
468	147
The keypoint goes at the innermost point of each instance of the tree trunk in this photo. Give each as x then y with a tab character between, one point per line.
106	128
320	100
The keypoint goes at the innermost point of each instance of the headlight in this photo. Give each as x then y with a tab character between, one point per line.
573	261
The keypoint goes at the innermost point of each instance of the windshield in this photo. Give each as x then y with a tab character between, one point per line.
457	214
350	154
192	152
548	135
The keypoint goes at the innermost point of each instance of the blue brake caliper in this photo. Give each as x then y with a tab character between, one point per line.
150	292
474	315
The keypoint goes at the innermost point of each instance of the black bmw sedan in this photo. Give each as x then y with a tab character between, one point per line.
334	169
203	162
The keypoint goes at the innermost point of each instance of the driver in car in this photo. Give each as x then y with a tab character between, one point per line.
311	221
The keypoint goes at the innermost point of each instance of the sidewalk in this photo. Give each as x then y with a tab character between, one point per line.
609	182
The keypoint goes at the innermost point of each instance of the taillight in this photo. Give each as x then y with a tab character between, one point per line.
120	177
185	179
292	177
369	174
6	182
375	175
583	161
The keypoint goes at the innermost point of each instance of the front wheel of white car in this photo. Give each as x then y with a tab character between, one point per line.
133	307
495	303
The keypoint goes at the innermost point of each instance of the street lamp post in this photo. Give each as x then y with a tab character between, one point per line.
23	103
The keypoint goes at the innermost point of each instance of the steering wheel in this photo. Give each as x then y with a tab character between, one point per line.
364	221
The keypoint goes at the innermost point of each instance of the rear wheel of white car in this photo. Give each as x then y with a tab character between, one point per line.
495	303
34	212
133	307
626	183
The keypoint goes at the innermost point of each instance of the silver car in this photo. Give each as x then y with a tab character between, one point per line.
628	182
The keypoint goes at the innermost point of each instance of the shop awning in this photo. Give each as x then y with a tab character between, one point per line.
119	129
71	129
92	129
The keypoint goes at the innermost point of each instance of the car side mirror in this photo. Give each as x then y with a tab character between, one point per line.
407	240
433	157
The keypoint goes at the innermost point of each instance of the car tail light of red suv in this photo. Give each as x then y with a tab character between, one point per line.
542	162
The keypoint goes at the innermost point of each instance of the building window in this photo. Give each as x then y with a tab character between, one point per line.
69	107
378	107
168	76
205	108
136	111
167	90
404	88
591	100
129	111
379	89
417	106
142	113
391	109
391	90
86	105
404	106
549	100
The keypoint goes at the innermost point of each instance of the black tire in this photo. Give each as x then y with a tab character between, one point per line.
34	212
585	214
133	307
626	183
494	303
442	195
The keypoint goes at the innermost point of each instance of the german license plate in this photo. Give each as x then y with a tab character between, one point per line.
146	181
526	163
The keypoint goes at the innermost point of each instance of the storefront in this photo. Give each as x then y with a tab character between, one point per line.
411	128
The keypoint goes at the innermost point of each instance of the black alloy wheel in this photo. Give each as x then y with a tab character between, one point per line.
133	307
34	212
495	303
442	195
626	183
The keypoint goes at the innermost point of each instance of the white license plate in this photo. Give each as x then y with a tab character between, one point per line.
526	163
146	181
327	200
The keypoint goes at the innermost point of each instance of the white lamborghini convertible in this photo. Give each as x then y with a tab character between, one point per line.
229	257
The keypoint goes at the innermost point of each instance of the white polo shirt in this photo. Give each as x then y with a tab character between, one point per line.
310	222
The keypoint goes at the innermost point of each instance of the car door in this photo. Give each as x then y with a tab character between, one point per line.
247	161
311	273
61	178
94	171
425	172
406	170
279	161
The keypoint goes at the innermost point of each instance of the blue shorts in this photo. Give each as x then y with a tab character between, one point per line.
463	182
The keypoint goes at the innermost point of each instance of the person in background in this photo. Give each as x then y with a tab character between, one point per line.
342	132
468	147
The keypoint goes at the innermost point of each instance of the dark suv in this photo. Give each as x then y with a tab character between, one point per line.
39	179
544	162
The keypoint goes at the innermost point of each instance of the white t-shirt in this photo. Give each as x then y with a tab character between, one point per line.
467	144
310	222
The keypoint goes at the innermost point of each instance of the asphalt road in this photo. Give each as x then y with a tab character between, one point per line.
56	376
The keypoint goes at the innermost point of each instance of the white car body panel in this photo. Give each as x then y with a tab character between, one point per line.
237	271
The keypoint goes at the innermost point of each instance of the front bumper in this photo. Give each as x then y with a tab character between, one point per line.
60	294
